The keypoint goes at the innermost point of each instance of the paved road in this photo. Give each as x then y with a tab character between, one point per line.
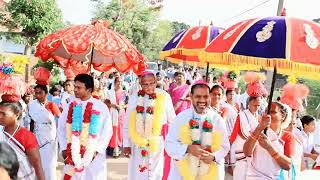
117	169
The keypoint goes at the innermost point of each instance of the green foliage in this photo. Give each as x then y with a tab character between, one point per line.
216	73
2	58
139	23
232	75
51	66
157	40
134	20
314	96
179	26
37	18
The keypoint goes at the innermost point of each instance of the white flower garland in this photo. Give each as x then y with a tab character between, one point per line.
197	167
144	125
92	128
75	152
80	163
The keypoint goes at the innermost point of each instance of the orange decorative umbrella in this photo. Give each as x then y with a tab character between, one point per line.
186	45
82	46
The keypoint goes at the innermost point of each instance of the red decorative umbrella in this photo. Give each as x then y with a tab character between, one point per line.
186	45
290	44
78	47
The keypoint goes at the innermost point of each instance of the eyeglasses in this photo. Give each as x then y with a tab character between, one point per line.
148	84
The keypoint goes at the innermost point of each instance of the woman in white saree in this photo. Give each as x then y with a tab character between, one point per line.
43	113
270	148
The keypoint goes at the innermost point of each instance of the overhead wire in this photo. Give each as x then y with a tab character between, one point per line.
246	11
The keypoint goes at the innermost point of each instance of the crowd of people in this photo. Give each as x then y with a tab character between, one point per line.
171	124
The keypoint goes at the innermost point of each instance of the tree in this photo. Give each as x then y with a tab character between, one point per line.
158	39
178	26
316	20
37	18
138	22
313	99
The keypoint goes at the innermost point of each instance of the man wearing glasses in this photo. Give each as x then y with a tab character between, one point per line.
149	112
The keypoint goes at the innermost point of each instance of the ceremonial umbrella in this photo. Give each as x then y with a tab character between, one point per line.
82	46
186	45
289	44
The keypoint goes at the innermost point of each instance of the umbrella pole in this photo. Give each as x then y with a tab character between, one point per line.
271	93
207	73
91	59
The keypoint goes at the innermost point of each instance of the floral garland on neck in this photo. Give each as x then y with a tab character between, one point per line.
192	167
82	131
145	125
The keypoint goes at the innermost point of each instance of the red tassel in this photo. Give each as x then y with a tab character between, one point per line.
67	177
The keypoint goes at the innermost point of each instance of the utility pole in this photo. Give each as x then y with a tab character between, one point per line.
280	7
269	73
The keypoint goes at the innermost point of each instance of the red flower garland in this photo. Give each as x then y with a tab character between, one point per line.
70	111
144	153
153	96
68	159
87	113
150	110
140	109
141	93
86	119
207	125
193	124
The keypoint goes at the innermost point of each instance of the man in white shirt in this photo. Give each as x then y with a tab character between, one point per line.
84	132
194	152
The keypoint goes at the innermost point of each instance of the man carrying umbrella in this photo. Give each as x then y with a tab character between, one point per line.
84	132
148	113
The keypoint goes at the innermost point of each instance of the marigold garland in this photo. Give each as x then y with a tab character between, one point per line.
183	165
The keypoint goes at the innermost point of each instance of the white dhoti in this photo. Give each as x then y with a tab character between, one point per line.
95	171
155	162
48	154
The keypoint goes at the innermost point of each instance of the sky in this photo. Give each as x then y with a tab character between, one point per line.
222	13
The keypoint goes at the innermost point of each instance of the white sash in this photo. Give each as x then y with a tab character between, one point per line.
45	125
26	171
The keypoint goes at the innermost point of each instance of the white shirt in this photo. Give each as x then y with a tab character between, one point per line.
243	100
308	142
105	132
178	151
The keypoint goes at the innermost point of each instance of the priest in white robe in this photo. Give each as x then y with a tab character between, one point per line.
179	151
146	157
93	164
